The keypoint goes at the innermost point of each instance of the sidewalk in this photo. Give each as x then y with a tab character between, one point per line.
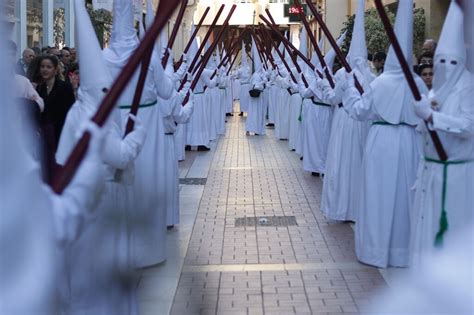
259	244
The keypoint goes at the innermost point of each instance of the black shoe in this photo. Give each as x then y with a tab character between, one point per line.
228	114
270	125
203	148
170	227
315	174
241	114
301	158
293	150
187	148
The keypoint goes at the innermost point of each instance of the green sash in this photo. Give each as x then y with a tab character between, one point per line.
443	220
139	106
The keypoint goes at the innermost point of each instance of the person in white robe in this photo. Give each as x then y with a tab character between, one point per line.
272	97
198	126
244	75
282	103
341	183
391	156
222	100
255	122
99	259
36	223
148	232
444	196
295	110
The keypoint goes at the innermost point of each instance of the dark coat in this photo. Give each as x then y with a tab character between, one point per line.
56	107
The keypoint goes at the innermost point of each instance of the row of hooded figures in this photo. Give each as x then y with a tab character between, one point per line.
77	253
380	166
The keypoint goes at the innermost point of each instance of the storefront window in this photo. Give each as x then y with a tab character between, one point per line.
34	23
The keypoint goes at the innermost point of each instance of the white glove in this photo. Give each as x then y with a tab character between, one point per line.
323	83
97	138
423	108
350	79
138	136
179	74
169	70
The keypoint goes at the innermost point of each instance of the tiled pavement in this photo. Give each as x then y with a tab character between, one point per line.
305	269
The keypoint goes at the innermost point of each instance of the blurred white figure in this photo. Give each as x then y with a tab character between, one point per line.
35	223
442	285
149	231
98	267
244	74
444	197
390	156
341	184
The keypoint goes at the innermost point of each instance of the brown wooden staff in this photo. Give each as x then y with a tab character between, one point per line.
203	44
144	69
191	39
315	45
259	50
265	45
333	43
66	174
138	91
232	63
207	56
176	26
289	46
280	54
408	75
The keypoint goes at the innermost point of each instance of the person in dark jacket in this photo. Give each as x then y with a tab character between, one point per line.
58	98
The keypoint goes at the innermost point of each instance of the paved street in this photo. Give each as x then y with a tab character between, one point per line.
232	256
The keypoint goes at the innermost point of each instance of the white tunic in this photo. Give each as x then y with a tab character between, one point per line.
256	110
198	130
389	171
317	119
282	110
455	126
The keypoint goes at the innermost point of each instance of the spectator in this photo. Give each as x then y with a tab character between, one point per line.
425	58
73	76
37	51
429	46
58	97
22	64
73	54
23	88
66	57
426	73
378	62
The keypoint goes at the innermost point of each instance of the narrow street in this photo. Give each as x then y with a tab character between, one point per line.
252	239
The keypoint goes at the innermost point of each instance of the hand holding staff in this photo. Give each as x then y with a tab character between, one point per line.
333	43
64	177
207	56
408	75
193	36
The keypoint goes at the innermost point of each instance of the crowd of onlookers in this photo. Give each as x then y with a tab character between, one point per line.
48	78
423	67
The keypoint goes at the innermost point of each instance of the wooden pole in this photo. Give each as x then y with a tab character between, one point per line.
172	38
64	177
193	36
408	75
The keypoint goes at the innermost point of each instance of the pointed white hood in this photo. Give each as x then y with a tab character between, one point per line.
392	97
450	57
404	32
358	48
331	55
96	80
124	37
244	62
256	58
95	76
